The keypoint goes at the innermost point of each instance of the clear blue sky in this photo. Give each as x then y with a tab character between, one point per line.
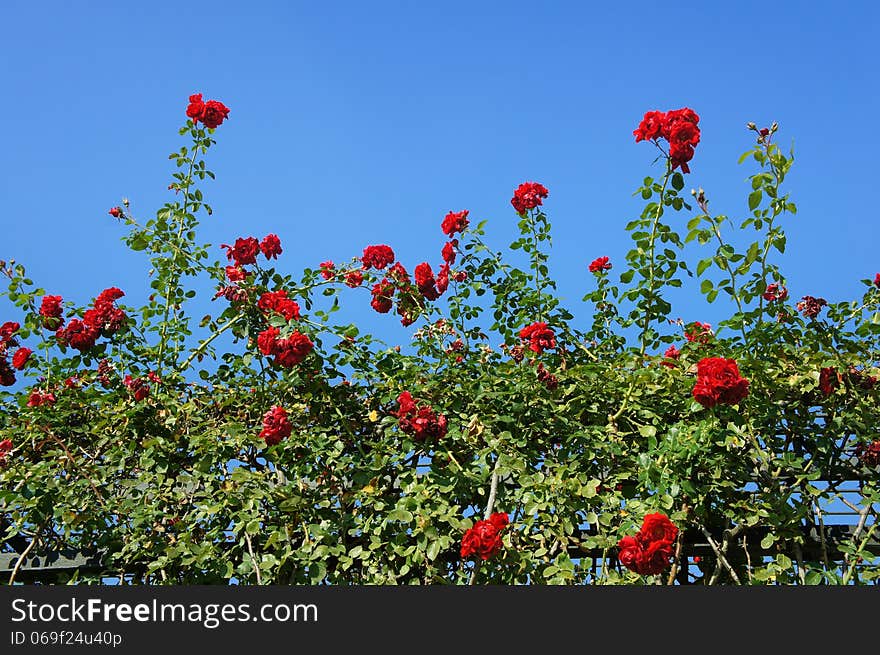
355	123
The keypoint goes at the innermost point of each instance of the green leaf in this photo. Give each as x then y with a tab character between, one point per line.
678	181
703	265
755	199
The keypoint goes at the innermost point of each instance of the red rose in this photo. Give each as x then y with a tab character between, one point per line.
7	330
540	337
37	399
425	281
326	270
51	310
448	252
278	302
20	358
377	256
7	374
528	195
214	113
78	335
354	279
655	557
270	246
678	127
420	421
267	341
775	292
115	212
276	426
877	280
196	107
829	380
291	351
382	293
600	264
455	222
671	353
629	552
243	252
869	455
235	273
483	539
657	527
138	387
211	113
811	306
5	449
460	276
719	382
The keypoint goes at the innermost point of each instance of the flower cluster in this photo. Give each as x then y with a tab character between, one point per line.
678	127
212	113
104	318
600	264
719	382
651	550
810	306
289	351
38	399
421	421
672	353
528	195
539	336
279	303
276	426
327	269
19	358
483	540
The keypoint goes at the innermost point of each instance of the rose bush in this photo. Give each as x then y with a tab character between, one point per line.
267	443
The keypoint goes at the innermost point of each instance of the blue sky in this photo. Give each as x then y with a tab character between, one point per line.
357	123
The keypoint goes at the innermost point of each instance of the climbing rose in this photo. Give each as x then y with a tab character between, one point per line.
20	358
671	353
235	274
539	336
455	222
484	538
8	329
528	195
139	387
719	382
877	280
600	264
276	426
270	246
243	252
869	455
7	375
650	551
115	212
267	340
377	256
